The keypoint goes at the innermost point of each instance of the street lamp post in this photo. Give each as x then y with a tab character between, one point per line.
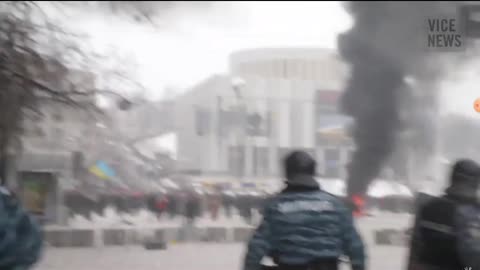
237	84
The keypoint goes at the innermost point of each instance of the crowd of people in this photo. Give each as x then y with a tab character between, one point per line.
193	203
170	204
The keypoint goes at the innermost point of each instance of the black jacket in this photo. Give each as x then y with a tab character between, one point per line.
435	239
303	228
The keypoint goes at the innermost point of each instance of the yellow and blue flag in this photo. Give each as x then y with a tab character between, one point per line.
102	170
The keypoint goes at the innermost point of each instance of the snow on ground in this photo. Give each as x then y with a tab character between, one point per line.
210	256
378	188
145	218
184	257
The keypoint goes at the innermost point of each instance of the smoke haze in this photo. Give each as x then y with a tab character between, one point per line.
383	48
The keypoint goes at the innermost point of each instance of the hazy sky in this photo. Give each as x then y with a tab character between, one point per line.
192	46
461	90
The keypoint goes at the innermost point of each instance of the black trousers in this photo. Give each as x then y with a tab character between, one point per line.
323	264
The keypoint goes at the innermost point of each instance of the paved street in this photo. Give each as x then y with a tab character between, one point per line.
181	257
206	256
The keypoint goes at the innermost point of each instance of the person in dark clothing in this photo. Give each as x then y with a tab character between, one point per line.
191	212
191	208
157	204
246	208
227	200
161	205
173	205
305	227
151	203
437	242
21	244
213	202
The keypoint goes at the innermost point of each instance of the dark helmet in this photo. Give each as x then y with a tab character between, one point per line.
465	178
465	171
300	168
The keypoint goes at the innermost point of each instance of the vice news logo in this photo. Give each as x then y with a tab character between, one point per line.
453	33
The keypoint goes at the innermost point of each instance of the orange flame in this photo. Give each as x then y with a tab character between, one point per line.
359	203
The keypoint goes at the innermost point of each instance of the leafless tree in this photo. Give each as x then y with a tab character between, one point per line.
39	61
150	12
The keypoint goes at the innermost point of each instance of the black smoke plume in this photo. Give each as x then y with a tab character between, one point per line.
383	47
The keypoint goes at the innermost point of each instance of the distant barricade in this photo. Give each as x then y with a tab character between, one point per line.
84	238
60	237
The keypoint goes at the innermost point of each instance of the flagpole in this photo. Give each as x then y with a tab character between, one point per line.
219	132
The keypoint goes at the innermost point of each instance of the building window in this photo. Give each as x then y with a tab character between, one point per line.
317	71
285	68
236	160
278	70
57	117
39	132
283	152
260	161
266	68
293	70
201	121
57	133
332	162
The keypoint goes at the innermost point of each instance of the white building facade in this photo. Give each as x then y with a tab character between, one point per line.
273	101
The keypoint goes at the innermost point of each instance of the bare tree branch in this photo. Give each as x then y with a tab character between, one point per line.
40	63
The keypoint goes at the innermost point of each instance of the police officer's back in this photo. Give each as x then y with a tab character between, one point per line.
438	239
304	227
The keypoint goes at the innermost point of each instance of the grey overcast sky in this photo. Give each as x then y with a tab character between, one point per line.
190	45
193	46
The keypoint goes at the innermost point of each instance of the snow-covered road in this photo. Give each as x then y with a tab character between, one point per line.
203	256
182	257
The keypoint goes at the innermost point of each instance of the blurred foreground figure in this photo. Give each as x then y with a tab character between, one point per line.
304	227
446	234
21	241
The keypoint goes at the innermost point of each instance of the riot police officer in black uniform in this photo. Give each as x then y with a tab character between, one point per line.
437	241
